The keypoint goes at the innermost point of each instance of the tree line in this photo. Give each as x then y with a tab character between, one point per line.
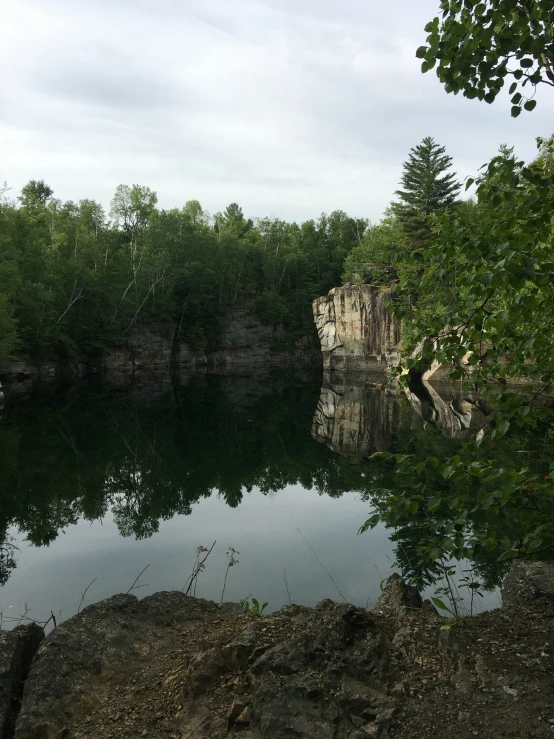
75	279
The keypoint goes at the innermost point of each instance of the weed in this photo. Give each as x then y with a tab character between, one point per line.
254	608
232	561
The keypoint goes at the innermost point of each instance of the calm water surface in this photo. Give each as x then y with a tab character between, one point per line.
98	484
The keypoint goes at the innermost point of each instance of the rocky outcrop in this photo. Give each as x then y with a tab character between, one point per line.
245	342
179	667
356	329
17	649
355	420
529	583
172	665
150	351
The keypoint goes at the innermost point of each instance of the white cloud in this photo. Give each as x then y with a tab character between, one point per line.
289	107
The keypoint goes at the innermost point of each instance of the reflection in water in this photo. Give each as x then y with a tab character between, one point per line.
148	454
456	415
355	420
356	417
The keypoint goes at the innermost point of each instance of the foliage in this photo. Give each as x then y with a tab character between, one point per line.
72	281
489	270
379	245
254	608
427	187
478	45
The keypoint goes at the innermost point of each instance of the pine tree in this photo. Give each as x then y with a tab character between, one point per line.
427	187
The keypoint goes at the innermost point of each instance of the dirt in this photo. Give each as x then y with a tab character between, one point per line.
491	676
174	668
148	704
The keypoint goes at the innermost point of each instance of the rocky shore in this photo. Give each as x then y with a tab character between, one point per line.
173	666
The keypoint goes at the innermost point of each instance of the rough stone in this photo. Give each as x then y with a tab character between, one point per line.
528	582
356	330
309	686
17	649
399	598
77	665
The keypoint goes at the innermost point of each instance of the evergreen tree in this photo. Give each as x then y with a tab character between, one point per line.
427	187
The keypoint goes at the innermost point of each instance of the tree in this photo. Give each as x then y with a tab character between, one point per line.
499	258
477	45
378	248
35	191
427	187
131	209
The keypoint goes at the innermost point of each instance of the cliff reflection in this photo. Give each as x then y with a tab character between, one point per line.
355	420
357	416
151	451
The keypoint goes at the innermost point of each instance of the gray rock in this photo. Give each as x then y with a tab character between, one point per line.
528	582
309	686
399	598
356	329
17	649
104	643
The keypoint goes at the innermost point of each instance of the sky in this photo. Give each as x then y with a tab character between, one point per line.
288	107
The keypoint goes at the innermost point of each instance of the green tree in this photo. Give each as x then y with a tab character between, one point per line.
35	191
499	257
378	247
477	45
427	187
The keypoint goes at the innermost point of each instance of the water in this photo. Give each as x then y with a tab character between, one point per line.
99	483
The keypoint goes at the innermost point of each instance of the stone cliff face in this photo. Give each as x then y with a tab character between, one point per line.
356	329
152	351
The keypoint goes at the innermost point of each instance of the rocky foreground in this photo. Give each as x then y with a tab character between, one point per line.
172	666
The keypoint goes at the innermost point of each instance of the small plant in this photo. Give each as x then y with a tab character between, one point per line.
451	592
202	554
254	608
232	561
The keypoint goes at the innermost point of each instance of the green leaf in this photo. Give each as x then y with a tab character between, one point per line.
421	52
516	110
530	105
441	605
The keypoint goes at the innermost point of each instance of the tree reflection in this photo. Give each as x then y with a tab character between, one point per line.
84	453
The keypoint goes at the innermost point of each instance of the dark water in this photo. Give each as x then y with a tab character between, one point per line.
99	483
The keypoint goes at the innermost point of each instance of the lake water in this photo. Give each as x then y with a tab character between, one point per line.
99	483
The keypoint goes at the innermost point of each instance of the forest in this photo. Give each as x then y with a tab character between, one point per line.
74	279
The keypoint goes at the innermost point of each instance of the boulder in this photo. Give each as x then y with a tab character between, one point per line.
398	598
528	583
81	661
17	649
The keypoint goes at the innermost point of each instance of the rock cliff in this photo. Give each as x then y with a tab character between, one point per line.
356	329
152	351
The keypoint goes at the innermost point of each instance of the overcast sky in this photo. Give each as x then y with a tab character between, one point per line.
288	107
